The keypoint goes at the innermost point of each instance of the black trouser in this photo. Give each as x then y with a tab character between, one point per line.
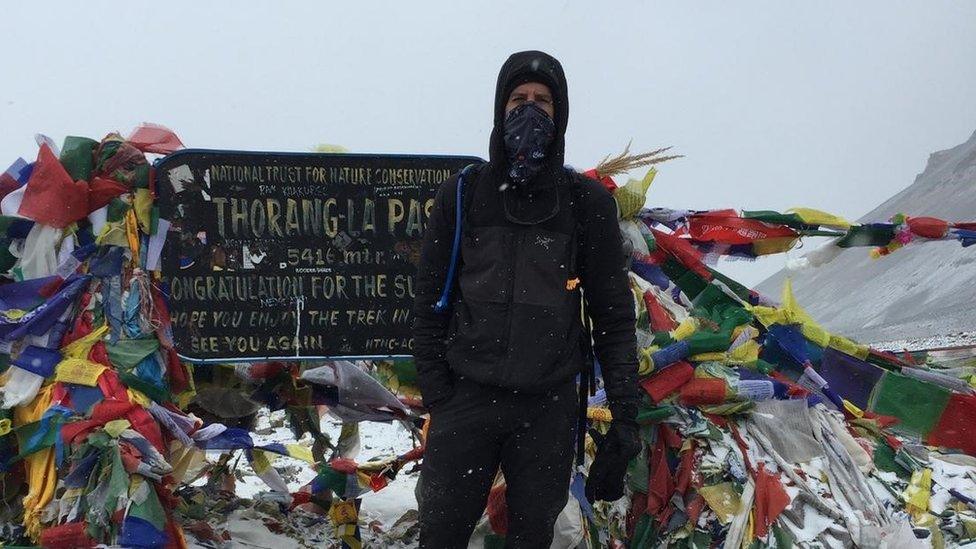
530	435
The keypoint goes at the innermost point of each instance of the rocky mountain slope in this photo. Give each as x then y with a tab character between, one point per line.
923	290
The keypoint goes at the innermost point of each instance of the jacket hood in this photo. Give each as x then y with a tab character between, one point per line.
522	67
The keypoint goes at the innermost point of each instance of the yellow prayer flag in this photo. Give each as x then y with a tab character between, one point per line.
767	315
685	329
853	409
645	364
343	512
816	334
260	462
918	492
80	348
746	353
599	414
115	427
777	245
847	346
39	467
722	499
631	197
132	234
301	452
142	206
79	371
817	217
715	356
137	397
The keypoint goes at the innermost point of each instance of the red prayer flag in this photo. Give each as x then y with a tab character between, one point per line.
771	500
377	482
71	535
703	391
694	508
498	510
732	229
928	227
606	180
102	191
683	252
957	426
343	465
660	484
153	138
7	184
51	196
686	469
664	382
658	318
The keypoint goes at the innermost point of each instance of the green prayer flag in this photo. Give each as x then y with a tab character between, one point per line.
738	289
917	404
784	540
699	540
712	298
335	480
406	371
494	541
637	474
7	259
150	509
107	151
78	157
662	339
151	390
654	414
116	210
645	536
689	282
776	218
707	342
867	235
127	353
140	179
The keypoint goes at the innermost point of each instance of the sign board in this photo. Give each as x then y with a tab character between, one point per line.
287	255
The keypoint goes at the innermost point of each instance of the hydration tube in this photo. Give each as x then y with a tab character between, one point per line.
443	304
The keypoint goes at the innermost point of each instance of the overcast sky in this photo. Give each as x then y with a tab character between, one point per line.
775	104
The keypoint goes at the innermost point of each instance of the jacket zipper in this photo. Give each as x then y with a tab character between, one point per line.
517	246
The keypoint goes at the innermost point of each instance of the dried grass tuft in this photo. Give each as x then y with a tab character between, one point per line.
624	162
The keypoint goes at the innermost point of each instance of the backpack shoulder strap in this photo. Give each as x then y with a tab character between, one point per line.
576	190
587	385
472	174
461	204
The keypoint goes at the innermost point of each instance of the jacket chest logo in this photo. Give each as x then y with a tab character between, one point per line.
544	241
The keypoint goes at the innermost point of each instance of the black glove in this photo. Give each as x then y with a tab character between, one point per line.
613	453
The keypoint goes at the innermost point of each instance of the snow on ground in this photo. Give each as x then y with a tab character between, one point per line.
249	527
960	339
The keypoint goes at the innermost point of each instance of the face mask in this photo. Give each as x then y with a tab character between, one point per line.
528	133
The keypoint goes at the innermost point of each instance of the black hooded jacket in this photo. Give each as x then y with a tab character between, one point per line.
514	320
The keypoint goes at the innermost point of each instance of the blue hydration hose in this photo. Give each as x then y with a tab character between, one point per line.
443	304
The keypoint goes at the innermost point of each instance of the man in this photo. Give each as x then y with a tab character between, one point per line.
497	367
